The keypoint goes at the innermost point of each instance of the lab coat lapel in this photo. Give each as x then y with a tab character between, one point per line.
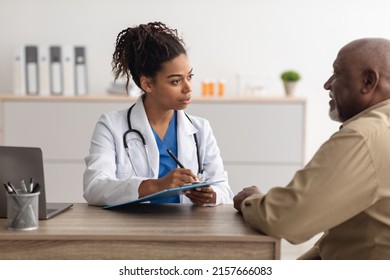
140	122
185	142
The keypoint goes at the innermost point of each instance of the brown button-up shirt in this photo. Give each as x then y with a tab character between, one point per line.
344	191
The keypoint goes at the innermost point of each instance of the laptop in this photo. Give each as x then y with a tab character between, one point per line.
18	163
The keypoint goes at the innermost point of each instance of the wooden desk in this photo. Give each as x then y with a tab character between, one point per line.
167	231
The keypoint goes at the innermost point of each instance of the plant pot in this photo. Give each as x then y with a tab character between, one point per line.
289	87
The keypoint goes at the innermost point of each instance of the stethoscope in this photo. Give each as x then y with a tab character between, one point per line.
130	130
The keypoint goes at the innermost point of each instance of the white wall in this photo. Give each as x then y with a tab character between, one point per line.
224	38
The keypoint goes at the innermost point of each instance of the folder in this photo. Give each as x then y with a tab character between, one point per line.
68	62
81	71
19	73
56	83
32	82
44	70
164	193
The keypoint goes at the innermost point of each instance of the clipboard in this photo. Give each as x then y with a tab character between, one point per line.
164	193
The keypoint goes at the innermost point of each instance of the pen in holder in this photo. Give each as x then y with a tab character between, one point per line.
22	210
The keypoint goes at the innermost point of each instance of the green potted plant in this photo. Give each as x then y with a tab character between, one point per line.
290	78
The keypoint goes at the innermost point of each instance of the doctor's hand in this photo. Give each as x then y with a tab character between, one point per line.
176	178
242	195
202	195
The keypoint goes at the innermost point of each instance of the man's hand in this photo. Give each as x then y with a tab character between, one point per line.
242	195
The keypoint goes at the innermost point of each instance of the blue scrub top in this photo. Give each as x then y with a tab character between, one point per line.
166	162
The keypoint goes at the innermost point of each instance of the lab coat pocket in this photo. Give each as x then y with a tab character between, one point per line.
124	171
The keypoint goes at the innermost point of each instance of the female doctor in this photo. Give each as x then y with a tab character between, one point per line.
128	157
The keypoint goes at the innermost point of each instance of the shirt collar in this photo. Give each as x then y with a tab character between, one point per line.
366	111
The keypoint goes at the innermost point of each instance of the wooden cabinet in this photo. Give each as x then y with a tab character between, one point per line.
261	139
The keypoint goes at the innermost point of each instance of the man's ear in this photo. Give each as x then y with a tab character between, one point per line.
370	80
146	84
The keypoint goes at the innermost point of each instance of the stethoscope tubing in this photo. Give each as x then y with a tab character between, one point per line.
131	130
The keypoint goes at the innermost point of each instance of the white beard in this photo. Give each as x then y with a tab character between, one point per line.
333	112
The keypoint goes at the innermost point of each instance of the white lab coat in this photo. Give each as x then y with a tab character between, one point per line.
110	178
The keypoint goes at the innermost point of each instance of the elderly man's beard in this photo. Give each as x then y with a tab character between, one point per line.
334	113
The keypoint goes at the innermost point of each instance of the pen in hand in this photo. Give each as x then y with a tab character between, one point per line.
175	159
180	164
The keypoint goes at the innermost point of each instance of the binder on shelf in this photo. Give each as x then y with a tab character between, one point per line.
32	80
81	71
19	73
44	70
56	82
68	62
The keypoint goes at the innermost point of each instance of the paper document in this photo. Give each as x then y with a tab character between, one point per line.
165	193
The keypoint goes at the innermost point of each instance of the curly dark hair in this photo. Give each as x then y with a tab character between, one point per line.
141	50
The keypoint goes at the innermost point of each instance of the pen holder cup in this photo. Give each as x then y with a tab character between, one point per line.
22	211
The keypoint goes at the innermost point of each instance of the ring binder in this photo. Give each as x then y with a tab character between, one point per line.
68	62
81	71
19	75
32	82
56	83
43	66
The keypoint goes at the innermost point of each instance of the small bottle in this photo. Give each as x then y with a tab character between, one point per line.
211	88
221	88
205	88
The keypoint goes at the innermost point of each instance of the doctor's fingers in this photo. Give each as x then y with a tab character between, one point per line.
184	175
206	189
176	178
201	198
205	194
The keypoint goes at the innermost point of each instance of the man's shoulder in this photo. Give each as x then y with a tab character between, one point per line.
373	120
